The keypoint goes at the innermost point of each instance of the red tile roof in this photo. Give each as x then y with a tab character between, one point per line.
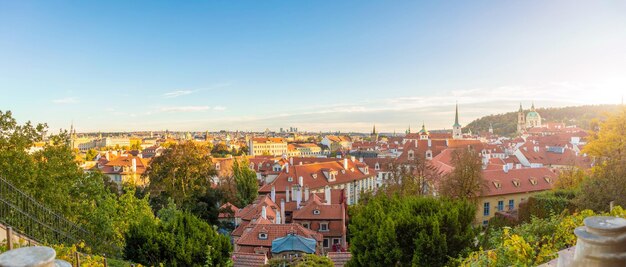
242	259
250	239
314	175
518	181
340	259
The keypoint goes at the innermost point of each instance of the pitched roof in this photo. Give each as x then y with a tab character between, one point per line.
251	238
340	259
316	175
514	181
243	259
326	212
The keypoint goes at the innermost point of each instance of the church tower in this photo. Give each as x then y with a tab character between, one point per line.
374	134
456	128
521	120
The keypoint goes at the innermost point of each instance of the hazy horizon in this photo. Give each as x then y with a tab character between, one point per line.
317	66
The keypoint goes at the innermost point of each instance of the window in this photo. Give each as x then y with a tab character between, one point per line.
511	204
486	209
377	166
336	240
263	236
316	212
290	179
326	242
500	205
306	225
323	226
485	222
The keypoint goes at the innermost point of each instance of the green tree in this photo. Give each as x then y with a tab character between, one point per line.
246	182
176	239
465	181
91	154
413	177
220	150
409	230
181	172
608	149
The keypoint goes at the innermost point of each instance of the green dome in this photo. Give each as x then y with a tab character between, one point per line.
532	114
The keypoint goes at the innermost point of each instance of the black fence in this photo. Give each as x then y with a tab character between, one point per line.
32	219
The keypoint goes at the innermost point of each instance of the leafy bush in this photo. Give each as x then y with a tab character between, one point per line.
533	243
546	204
401	231
176	239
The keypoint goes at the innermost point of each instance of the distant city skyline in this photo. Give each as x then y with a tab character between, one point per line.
316	66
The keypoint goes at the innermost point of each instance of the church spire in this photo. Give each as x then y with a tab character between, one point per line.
520	107
374	129
456	116
533	106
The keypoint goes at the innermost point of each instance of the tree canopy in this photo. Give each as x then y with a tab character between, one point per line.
465	181
409	230
176	238
607	146
246	182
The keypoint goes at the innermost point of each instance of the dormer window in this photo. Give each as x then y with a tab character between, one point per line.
411	154
217	166
316	212
548	179
314	176
290	179
516	183
263	236
533	181
343	171
377	166
497	184
306	225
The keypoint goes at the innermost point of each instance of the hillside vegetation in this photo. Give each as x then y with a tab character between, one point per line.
582	116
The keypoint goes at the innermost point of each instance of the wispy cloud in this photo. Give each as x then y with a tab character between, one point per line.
185	109
177	93
66	100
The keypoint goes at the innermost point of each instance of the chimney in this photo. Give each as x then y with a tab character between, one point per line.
345	163
293	193
536	149
291	160
360	159
287	193
352	158
298	197
327	194
287	167
301	181
505	168
430	143
273	194
282	211
277	219
263	212
306	194
134	167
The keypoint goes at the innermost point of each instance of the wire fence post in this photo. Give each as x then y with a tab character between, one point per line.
9	238
77	256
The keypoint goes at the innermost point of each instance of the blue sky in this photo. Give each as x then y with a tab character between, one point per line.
315	65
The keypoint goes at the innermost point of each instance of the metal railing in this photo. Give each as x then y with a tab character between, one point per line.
34	220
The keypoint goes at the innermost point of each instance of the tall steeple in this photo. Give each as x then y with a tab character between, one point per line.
374	135
456	116
456	128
